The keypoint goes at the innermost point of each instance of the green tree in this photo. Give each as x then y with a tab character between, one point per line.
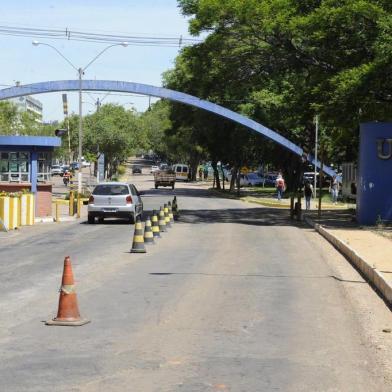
154	123
282	62
112	131
16	122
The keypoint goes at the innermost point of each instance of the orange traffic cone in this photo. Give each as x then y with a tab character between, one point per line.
68	311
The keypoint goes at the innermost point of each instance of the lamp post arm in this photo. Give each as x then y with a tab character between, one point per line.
99	54
69	62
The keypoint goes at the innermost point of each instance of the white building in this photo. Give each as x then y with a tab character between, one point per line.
29	104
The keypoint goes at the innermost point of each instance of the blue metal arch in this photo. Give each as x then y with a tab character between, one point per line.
138	88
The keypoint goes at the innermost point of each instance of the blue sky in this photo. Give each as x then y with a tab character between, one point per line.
21	61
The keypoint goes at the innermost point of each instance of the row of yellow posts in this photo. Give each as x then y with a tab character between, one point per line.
74	205
16	209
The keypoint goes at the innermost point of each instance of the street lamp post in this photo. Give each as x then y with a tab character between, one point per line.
80	175
80	74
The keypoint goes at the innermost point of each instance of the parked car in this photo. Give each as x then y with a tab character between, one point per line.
154	168
251	179
56	170
136	170
270	179
85	163
114	200
309	176
74	166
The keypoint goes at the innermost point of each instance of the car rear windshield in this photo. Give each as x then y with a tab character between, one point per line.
111	190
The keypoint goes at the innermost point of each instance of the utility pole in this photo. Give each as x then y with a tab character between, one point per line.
321	181
80	72
315	157
69	141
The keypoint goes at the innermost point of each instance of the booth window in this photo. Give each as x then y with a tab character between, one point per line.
44	159
14	167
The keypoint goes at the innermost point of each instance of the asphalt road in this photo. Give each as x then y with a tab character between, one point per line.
232	298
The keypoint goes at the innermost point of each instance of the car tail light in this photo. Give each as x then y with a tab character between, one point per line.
91	200
129	200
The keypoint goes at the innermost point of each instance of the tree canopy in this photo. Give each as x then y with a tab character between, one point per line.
282	62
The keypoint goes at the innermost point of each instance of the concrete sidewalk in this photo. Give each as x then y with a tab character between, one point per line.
368	248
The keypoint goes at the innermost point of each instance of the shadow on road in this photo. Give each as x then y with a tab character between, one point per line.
248	216
183	192
337	219
259	216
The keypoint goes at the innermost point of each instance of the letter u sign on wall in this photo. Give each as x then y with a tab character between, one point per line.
384	148
374	187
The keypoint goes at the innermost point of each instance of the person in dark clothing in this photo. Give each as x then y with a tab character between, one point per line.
205	172
308	193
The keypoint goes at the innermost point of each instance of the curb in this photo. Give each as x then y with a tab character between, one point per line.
265	203
51	219
370	273
67	219
46	219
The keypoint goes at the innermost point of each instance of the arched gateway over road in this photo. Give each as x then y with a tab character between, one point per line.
144	89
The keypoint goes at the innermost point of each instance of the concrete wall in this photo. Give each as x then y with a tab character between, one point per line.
43	199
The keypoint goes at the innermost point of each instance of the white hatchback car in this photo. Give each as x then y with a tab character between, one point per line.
251	179
56	170
114	200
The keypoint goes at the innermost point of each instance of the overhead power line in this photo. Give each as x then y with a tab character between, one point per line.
83	36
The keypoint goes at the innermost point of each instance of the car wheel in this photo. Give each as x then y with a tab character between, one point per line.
156	186
131	219
172	186
101	219
90	219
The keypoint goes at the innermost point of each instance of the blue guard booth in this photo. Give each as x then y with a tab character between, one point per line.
374	185
25	163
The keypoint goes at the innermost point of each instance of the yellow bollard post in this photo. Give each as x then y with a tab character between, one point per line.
71	203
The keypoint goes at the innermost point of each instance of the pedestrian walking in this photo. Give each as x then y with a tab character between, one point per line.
205	172
280	186
200	173
308	193
334	189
